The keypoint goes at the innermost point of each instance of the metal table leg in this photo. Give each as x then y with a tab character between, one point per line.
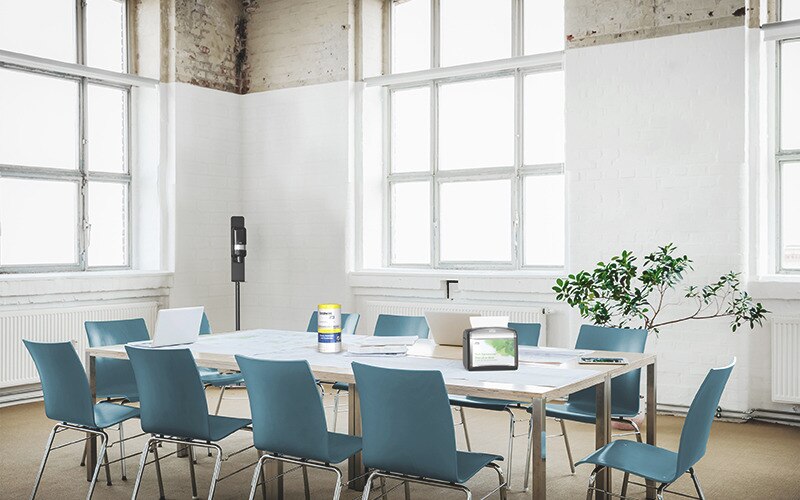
603	433
274	488
355	465
538	456
651	419
91	448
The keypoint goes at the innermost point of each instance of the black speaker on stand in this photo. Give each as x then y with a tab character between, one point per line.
238	253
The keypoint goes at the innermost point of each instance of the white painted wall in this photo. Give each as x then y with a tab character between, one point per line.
297	166
206	153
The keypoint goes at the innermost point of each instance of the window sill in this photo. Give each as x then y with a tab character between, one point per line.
28	288
777	286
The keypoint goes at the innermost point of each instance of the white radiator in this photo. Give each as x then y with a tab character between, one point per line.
786	360
515	314
55	325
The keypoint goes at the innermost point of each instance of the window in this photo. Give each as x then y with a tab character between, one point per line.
474	135
789	9
64	175
787	157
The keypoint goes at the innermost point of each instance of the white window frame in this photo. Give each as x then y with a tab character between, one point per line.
84	76
775	34
519	66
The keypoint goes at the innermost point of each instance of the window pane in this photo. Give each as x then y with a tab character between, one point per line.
411	130
411	35
543	220
411	226
790	215
790	95
108	215
476	124
106	129
45	28
544	118
790	9
105	34
38	120
475	30
475	221
39	221
544	26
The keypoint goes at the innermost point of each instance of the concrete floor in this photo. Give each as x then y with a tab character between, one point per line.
753	460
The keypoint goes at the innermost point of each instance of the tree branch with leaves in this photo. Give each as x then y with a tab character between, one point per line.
619	293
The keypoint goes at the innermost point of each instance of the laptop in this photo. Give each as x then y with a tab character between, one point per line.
176	327
447	328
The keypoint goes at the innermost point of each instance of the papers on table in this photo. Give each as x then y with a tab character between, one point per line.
377	350
549	355
389	340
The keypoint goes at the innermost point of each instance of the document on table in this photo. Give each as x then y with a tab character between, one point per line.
389	340
549	355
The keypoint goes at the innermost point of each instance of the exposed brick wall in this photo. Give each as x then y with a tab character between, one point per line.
594	22
292	43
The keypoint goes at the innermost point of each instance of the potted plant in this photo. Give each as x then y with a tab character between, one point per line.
622	294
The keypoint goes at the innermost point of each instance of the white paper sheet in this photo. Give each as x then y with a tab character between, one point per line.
390	340
549	355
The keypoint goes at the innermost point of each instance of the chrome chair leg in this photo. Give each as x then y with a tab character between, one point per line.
158	474
85	449
696	482
464	425
502	480
44	460
219	401
383	488
660	491
625	480
122	452
368	485
108	469
305	483
566	443
217	466
592	481
103	451
335	409
191	472
258	472
526	482
142	463
510	458
337	492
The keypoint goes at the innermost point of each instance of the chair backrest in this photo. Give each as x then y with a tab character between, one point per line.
113	374
172	399
402	326
205	326
287	412
407	425
624	388
527	333
67	397
697	426
349	323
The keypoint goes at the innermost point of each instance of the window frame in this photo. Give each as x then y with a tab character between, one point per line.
85	76
518	66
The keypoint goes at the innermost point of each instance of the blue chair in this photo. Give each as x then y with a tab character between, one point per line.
68	400
211	377
658	464
349	323
580	406
174	409
388	325
114	377
289	420
527	334
408	432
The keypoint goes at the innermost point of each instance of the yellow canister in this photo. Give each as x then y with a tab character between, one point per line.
329	327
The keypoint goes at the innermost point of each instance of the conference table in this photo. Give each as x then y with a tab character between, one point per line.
534	381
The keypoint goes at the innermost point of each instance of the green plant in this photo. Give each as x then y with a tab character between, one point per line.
619	293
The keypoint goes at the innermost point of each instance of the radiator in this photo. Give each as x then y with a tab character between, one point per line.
55	325
516	314
786	360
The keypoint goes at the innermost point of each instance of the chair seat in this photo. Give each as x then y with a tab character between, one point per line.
640	459
483	403
212	376
469	463
108	414
127	391
569	411
341	386
221	427
341	447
